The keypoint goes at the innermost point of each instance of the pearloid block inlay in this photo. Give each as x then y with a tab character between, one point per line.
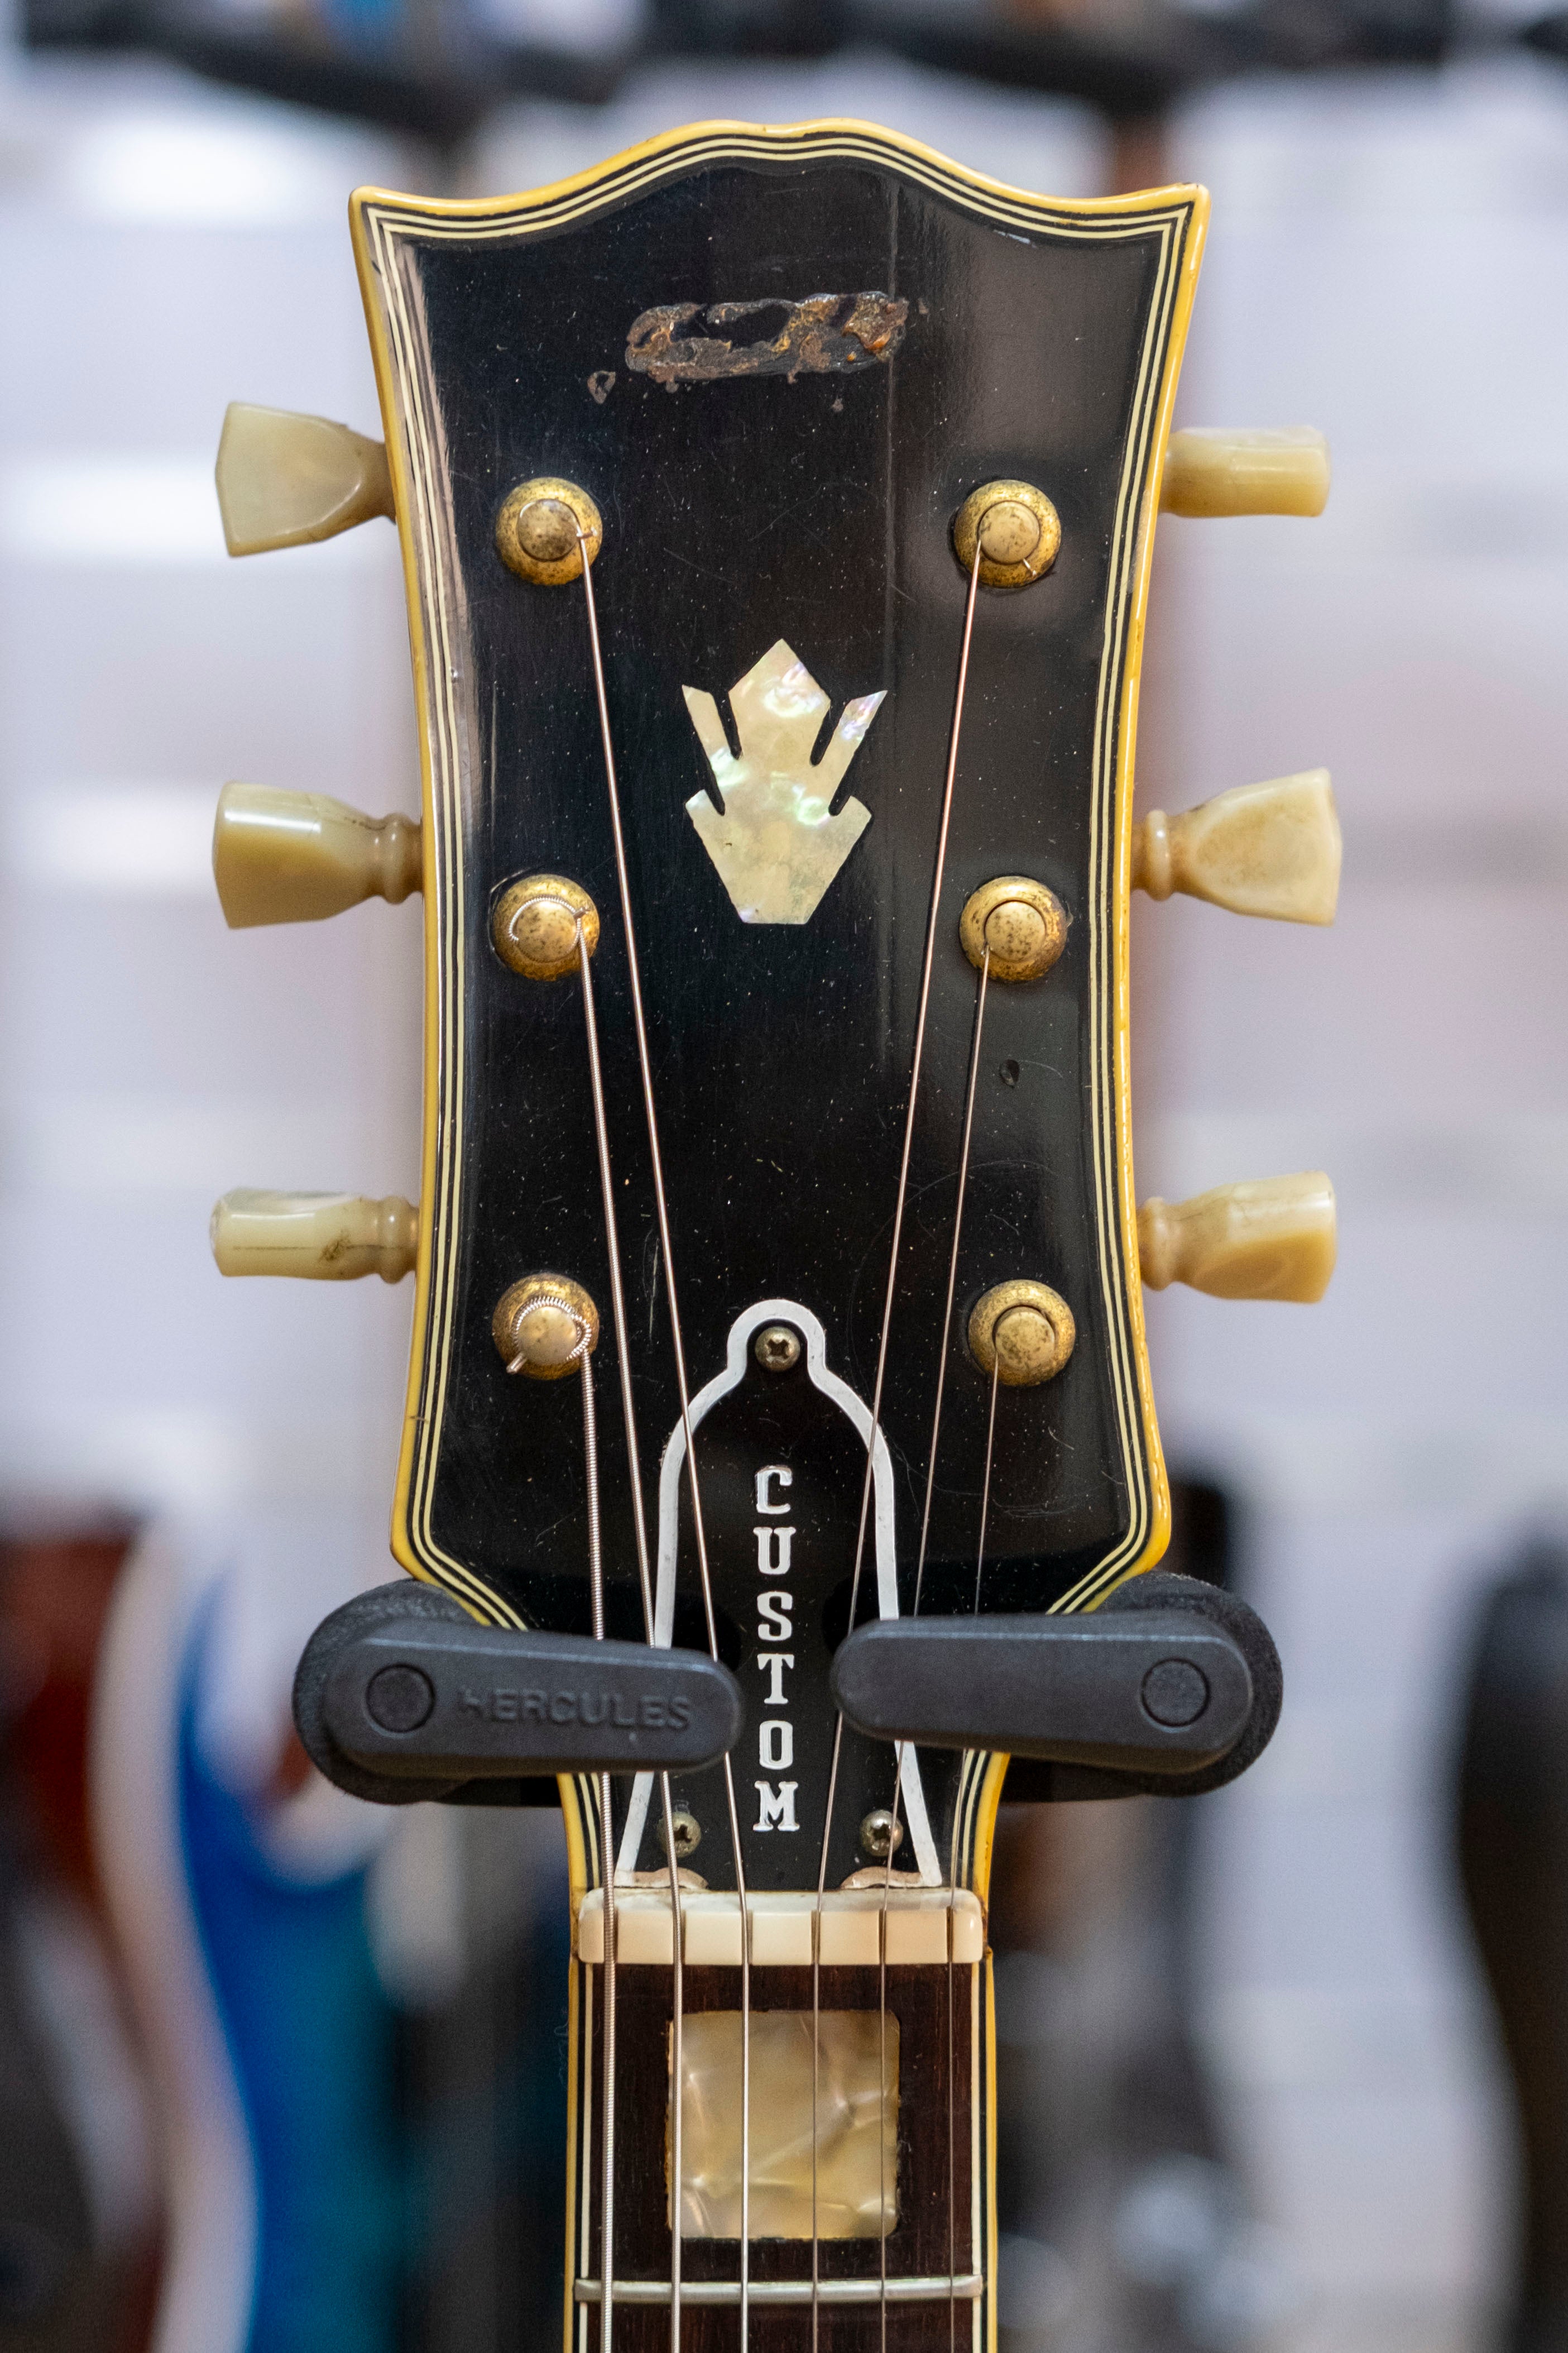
858	2125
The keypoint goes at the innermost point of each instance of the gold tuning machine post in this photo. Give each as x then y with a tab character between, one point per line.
1227	471
1012	530
296	858
1023	1331
547	528
320	1237
1272	1239
544	1325
1259	850
284	479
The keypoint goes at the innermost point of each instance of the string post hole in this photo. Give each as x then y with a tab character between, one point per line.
546	528
686	1829
544	1325
1012	530
535	924
1021	925
777	1348
1023	1331
881	1834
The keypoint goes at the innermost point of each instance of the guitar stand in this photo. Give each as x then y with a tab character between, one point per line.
1172	1687
401	1695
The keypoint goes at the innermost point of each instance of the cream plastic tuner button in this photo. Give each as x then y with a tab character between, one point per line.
1227	471
1272	1239
284	479
294	857
320	1237
1259	850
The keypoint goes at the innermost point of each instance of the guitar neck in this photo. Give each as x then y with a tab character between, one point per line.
879	2220
777	657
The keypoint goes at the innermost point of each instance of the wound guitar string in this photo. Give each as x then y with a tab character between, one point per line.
964	1156
662	1212
607	1866
581	1357
917	1058
985	1482
608	1982
639	1522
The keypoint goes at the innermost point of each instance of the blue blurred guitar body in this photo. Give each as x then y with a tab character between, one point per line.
243	1912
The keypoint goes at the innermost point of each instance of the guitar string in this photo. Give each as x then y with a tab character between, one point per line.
581	1357
985	1493
662	1210
952	1268
865	1490
951	2154
914	1612
883	1338
979	1571
607	1870
985	1482
639	1522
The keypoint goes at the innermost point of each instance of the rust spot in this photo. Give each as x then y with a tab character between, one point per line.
601	384
827	335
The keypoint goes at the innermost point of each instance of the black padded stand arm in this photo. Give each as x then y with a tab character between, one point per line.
1170	1687
401	1696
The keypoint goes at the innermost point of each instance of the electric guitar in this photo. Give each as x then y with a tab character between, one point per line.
776	509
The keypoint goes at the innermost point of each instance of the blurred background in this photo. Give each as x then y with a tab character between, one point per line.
1256	2090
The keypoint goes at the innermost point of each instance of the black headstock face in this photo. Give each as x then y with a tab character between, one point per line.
778	363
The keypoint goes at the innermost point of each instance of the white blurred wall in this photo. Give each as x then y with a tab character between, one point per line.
164	249
1383	264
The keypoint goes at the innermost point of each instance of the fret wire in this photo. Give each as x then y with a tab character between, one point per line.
661	1210
639	1520
960	690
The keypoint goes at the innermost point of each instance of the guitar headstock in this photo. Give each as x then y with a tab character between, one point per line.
777	657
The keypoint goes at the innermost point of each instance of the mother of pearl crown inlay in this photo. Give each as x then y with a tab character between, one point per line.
779	842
